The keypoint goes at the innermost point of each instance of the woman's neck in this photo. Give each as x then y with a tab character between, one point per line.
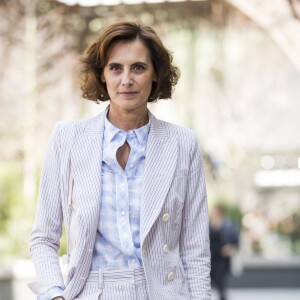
127	120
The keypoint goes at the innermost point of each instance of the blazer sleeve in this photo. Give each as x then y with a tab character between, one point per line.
47	229
194	238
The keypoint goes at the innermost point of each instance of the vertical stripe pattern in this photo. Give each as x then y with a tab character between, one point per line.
115	284
174	219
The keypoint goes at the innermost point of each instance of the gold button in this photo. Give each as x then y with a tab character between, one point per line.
165	248
170	276
166	217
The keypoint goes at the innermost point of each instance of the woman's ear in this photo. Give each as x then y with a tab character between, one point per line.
154	78
102	78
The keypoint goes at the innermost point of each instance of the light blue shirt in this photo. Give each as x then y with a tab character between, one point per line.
118	236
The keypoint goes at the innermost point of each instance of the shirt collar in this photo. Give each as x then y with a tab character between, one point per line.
110	131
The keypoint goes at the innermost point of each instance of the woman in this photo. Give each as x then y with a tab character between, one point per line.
128	187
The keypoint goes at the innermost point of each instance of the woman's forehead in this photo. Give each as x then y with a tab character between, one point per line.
129	50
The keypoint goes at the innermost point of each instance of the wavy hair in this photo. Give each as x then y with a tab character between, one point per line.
95	58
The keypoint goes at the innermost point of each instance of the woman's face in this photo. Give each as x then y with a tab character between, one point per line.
128	75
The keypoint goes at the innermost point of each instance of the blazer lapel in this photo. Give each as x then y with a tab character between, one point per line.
160	165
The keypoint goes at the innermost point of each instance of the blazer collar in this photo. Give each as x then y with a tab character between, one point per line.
95	126
157	129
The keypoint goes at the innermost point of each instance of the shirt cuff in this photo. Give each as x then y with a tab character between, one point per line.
53	292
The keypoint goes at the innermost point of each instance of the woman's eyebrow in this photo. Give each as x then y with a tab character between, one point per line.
140	63
114	63
135	63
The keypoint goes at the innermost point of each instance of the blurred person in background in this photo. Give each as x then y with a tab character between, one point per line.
224	241
129	188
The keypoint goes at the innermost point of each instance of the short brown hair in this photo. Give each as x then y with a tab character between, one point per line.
95	58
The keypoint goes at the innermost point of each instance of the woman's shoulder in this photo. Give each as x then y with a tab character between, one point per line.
75	125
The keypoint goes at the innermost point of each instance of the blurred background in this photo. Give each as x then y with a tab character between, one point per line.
239	90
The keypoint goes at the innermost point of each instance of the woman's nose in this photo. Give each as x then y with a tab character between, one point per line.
127	79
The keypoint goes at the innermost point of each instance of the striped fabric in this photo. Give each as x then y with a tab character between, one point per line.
112	285
173	221
118	237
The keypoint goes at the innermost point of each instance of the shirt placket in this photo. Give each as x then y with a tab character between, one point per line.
123	213
131	171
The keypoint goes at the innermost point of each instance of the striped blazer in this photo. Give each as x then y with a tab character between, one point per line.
174	218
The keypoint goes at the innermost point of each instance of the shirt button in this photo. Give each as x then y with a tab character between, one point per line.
166	217
123	213
170	276
165	248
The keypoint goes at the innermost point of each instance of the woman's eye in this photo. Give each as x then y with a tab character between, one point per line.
114	67
139	67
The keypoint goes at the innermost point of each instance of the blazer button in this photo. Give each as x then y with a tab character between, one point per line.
170	276
166	217
165	248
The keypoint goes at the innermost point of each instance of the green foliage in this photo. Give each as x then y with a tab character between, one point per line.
63	244
16	215
232	210
13	212
290	227
10	192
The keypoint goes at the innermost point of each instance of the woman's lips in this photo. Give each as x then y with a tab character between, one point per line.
128	94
